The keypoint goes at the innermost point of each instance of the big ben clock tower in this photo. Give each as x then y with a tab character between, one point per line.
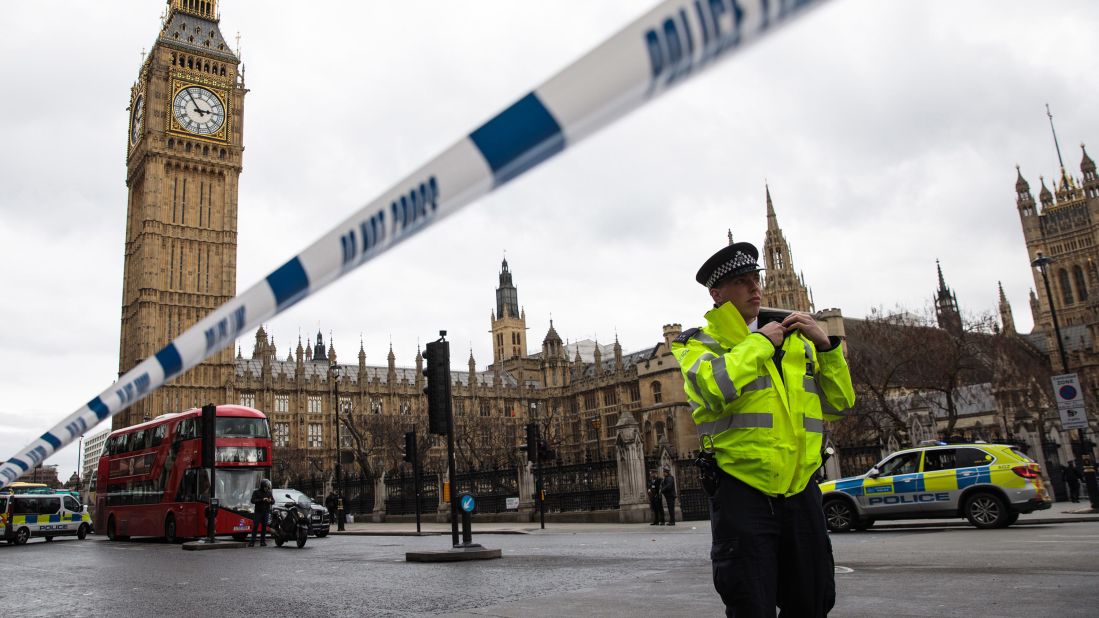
183	160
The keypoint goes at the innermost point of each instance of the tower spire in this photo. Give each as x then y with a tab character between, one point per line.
946	305
1055	144
782	287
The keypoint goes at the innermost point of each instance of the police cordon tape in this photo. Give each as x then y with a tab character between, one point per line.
673	41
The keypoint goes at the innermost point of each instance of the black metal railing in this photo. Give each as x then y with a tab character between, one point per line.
400	494
856	460
693	501
588	486
490	488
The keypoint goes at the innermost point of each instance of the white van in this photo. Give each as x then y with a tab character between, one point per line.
42	514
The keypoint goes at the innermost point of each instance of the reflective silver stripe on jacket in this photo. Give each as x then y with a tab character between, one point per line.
692	375
721	378
709	342
810	385
760	383
814	425
739	420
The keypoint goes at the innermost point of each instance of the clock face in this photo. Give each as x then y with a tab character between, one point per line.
137	118
198	110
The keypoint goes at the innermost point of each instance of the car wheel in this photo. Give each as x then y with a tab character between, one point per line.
22	535
49	538
839	514
1012	517
321	534
82	532
170	529
985	510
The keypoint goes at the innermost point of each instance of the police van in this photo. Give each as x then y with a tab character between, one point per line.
988	484
23	515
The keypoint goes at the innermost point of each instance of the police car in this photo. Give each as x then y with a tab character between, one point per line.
44	515
988	484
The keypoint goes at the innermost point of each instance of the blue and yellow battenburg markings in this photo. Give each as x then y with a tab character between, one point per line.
919	482
673	41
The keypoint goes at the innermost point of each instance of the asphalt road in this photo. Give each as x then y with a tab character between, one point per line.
1022	571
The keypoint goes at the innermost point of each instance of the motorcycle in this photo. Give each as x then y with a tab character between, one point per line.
290	522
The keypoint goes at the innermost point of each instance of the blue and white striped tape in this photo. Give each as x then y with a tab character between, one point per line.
671	42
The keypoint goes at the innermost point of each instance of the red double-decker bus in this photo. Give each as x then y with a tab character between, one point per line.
152	480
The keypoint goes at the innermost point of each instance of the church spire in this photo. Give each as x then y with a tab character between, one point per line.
1007	322
946	305
782	287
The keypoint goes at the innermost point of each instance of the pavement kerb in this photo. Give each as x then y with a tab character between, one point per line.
436	529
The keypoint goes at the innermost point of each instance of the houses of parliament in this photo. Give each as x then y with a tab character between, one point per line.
184	156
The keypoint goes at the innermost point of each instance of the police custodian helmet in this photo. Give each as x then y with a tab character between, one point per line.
736	259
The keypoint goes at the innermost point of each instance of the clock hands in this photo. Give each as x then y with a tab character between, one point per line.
202	112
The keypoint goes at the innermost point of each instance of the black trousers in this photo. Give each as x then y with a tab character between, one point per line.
657	505
770	552
670	501
259	522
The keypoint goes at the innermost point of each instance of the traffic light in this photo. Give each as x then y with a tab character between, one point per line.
437	372
410	446
544	452
532	441
208	425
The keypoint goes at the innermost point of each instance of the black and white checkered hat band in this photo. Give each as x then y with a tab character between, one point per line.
739	261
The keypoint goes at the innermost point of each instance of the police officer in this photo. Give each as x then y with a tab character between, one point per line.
655	502
759	394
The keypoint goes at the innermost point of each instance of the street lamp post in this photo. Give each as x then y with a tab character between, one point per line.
1041	263
339	446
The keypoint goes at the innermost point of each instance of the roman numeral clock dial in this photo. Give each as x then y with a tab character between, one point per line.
198	110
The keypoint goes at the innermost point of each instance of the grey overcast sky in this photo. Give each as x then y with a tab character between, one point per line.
888	131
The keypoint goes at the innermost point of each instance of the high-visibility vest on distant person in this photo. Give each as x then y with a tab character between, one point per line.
766	423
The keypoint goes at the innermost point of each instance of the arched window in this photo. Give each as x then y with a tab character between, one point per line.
1066	286
1081	284
658	396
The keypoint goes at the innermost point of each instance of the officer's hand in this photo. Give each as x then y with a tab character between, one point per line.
808	326
773	331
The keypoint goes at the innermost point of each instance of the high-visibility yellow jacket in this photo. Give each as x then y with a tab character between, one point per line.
766	422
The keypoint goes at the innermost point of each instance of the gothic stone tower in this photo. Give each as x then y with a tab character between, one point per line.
783	287
509	324
183	160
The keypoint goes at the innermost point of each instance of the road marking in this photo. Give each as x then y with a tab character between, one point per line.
1076	541
843	570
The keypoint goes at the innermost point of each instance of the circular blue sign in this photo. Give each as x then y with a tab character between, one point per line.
466	502
1067	392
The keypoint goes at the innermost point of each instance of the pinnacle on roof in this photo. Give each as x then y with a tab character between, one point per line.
1086	165
1044	194
1021	185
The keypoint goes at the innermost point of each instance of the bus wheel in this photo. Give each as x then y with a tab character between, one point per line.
82	532
112	534
22	535
170	529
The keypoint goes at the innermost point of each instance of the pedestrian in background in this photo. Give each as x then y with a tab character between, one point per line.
655	503
760	391
330	504
667	491
1072	478
262	499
